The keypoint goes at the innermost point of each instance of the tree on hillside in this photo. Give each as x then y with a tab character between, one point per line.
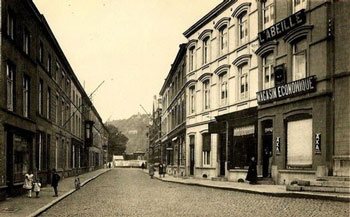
116	141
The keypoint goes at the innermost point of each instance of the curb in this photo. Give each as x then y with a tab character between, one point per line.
290	195
47	206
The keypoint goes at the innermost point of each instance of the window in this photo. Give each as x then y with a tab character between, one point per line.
40	97
57	73
41	52
206	94
10	86
39	150
223	39
205	50
48	103
298	5
206	148
268	76
191	59
48	65
299	143
223	88
57	106
25	96
192	99
268	13
62	113
26	38
10	30
243	28
299	59
243	81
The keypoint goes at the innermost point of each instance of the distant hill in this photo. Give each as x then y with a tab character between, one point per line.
135	128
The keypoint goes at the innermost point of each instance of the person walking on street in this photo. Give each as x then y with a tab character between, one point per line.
160	170
252	173
151	170
164	170
54	183
36	187
28	183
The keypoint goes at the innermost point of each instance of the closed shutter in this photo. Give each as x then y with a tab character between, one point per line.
299	143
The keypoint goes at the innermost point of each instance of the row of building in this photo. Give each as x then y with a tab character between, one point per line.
258	78
46	118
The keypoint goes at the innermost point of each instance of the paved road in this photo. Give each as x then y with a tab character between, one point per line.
130	192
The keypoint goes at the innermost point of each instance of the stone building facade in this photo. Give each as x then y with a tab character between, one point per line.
41	101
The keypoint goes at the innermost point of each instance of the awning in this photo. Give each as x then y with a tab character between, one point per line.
217	127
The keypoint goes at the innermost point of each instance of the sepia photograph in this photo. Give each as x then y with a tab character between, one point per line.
190	108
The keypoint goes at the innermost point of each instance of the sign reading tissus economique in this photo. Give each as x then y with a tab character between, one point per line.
294	88
282	27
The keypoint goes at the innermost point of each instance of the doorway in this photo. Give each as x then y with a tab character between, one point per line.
191	160
267	140
222	153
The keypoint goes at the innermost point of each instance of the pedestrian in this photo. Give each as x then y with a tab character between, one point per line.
77	182
143	166
151	170
160	170
36	187
54	181
28	183
109	165
164	170
252	173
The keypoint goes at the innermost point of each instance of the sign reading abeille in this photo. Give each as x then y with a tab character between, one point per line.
294	88
282	27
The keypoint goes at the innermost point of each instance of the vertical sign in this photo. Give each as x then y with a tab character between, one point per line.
278	145
318	143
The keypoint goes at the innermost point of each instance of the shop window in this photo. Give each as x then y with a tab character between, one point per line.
191	58
223	34
244	146
10	86
243	28
20	157
268	13
243	81
298	5
206	50
25	96
223	88
206	94
206	148
299	143
268	75
299	59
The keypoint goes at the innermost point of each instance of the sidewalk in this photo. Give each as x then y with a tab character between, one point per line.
24	206
269	190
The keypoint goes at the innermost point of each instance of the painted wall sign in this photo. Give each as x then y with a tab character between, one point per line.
278	145
242	131
282	27
291	89
318	143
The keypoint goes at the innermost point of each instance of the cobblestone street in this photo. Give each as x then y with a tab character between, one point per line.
130	192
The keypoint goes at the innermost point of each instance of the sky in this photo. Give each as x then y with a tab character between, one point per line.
127	44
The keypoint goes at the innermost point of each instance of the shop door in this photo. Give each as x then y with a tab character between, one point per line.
267	154
191	160
222	153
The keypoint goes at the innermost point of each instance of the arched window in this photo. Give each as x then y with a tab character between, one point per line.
206	94
191	58
206	50
243	81
206	147
243	28
299	59
268	76
192	92
223	88
223	39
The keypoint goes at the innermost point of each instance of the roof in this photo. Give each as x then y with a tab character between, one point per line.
208	17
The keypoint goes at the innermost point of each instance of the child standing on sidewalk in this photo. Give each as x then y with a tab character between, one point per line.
28	183
36	187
